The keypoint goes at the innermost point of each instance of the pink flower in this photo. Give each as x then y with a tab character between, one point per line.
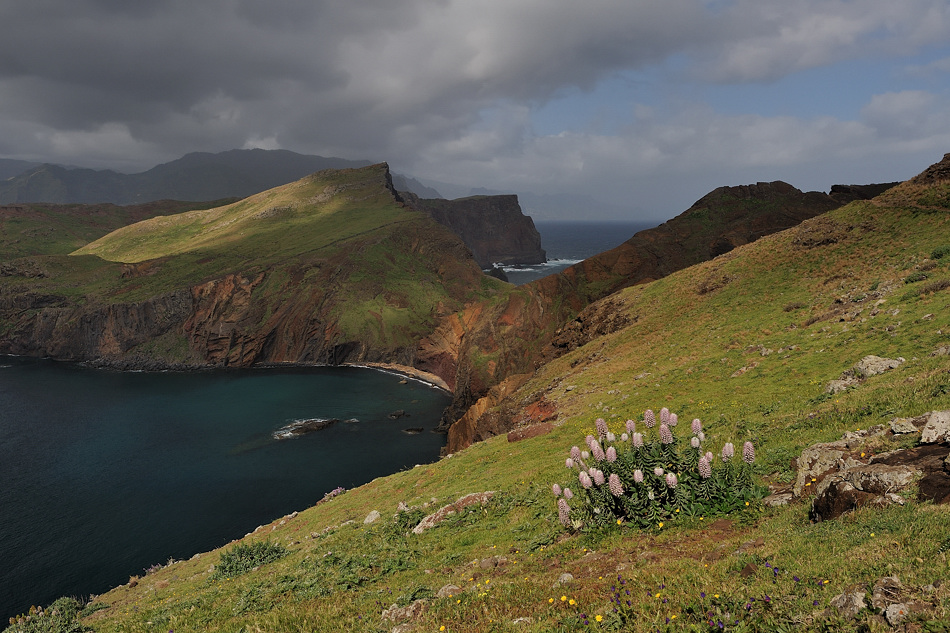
597	452
638	476
694	442
671	480
709	456
665	416
638	440
564	513
696	426
674	419
624	437
631	427
666	436
611	454
569	463
601	425
575	453
705	470
616	488
598	477
748	453
728	451
568	494
649	419
585	455
585	480
556	489
590	439
611	437
658	471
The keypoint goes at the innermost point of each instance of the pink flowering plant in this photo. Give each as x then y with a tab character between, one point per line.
649	475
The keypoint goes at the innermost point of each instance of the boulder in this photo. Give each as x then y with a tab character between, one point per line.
445	511
937	428
859	486
874	365
372	517
819	460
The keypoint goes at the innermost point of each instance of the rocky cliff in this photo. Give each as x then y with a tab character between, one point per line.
328	270
494	227
544	319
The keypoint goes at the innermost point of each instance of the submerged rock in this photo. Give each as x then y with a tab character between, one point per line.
302	427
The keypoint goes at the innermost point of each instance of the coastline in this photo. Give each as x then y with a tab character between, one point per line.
409	372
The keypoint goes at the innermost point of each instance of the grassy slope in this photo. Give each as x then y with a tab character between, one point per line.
339	232
47	229
681	352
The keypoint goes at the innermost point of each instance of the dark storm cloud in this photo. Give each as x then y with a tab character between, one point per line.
447	88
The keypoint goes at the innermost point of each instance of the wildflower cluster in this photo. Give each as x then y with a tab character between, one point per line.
645	477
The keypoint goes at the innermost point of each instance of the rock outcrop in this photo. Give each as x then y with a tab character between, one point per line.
494	227
864	468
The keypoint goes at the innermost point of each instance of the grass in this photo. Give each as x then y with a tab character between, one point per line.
732	356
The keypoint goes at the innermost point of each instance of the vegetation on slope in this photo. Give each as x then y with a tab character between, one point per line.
330	269
747	343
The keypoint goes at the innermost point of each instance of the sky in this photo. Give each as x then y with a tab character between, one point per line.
645	105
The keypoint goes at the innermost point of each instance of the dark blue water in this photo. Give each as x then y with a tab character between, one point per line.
104	473
568	243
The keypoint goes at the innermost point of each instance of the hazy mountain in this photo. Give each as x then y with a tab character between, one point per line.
10	167
196	176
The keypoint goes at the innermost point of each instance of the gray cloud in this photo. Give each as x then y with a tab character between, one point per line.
445	87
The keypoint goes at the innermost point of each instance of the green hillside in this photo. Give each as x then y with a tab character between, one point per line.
747	343
330	269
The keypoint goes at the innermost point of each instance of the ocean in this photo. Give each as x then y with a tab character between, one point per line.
568	243
105	473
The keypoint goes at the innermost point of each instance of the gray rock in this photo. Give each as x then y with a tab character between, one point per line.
937	428
837	386
522	621
563	579
886	591
372	517
874	365
448	591
778	500
881	479
896	613
943	350
445	511
849	603
408	612
901	426
817	461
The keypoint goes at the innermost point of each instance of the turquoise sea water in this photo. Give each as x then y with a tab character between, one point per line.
105	473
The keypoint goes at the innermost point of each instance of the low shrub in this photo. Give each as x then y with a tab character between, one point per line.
940	251
915	277
644	479
60	617
242	558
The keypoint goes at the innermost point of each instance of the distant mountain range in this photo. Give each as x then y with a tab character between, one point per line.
195	177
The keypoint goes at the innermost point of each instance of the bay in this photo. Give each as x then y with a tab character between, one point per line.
105	473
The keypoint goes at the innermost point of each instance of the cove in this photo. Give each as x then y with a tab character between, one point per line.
105	473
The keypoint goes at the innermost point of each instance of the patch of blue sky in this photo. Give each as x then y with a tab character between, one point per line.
838	90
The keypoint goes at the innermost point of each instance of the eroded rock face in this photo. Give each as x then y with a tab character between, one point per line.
494	227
